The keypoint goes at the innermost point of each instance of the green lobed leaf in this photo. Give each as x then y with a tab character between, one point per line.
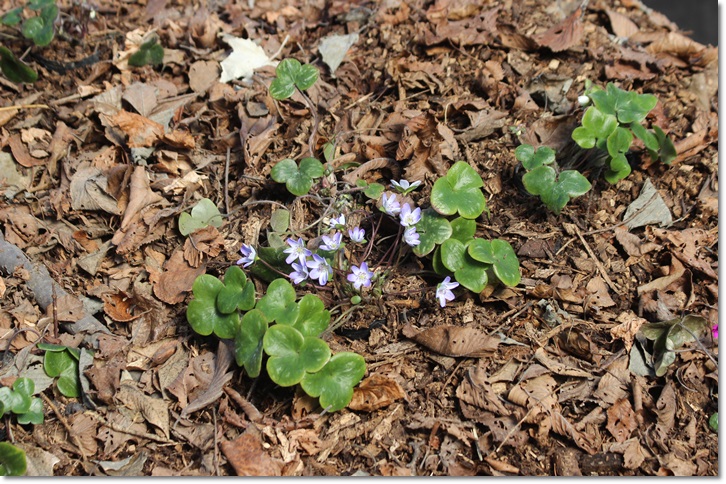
231	295
278	304
459	191
473	274
306	77
335	381
248	342
583	137
280	89
667	148
32	27
432	229
649	139
202	313
12	17
598	123
69	384
280	220
34	415
619	141
311	167
452	254
284	170
203	214
463	229
437	263
12	460
544	155
24	386
17	403
374	191
292	354
149	53
524	153
619	169
637	107
312	317
56	363
540	180
501	255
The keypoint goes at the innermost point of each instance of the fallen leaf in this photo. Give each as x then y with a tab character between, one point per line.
454	340
12	181
621	420
246	56
558	367
202	75
648	208
628	328
177	279
140	131
376	391
333	49
142	97
89	191
622	26
84	428
564	35
247	457
22	154
39	462
599	295
154	410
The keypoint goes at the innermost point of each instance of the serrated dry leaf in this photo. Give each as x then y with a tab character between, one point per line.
376	391
454	340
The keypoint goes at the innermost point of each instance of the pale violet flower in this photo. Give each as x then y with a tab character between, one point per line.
332	243
390	205
409	217
319	269
297	250
411	237
443	291
360	276
337	223
357	235
404	187
300	272
249	255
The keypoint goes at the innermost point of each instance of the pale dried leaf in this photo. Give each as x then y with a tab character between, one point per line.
376	391
621	420
154	410
454	340
559	368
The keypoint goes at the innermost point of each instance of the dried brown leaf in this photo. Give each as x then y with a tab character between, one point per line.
564	35
454	340
621	420
140	131
177	279
154	410
622	26
559	368
376	391
247	457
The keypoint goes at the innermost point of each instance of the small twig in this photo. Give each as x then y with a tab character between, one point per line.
25	106
226	181
247	407
66	425
55	313
597	262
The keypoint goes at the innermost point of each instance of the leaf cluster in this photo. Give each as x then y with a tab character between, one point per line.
611	124
292	74
474	262
280	326
298	178
669	336
149	53
62	362
555	188
38	28
19	401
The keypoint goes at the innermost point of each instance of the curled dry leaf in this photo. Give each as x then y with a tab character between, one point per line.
454	340
247	457
376	391
118	306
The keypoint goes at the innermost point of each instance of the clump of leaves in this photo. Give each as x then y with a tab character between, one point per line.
12	460
38	28
609	125
669	336
14	69
203	214
290	75
278	325
62	362
298	179
472	261
149	53
543	178
19	401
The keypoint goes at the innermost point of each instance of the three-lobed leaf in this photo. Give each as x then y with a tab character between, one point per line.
248	342
202	313
459	191
433	229
203	214
531	158
237	293
149	53
62	362
292	355
12	460
312	317
297	179
291	74
501	255
278	304
335	381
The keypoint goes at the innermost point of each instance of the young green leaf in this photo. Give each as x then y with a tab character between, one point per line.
12	17
667	148
598	123
202	313
203	214
12	460
292	354
432	229
290	73
501	255
463	229
278	304
459	191
636	108
619	141
335	381
14	69
149	53
452	254
248	342
237	292
62	362
374	191
619	169
12	401
312	317
544	155
649	139
34	415
298	180
473	274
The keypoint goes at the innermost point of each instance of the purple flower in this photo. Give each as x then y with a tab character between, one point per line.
390	205
297	250
249	255
337	223
332	243
357	235
319	269
714	331
411	237
404	186
409	217
443	291
360	276
300	272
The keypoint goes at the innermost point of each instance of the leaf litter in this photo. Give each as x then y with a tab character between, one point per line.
558	376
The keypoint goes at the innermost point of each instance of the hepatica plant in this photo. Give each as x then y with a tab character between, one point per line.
279	325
